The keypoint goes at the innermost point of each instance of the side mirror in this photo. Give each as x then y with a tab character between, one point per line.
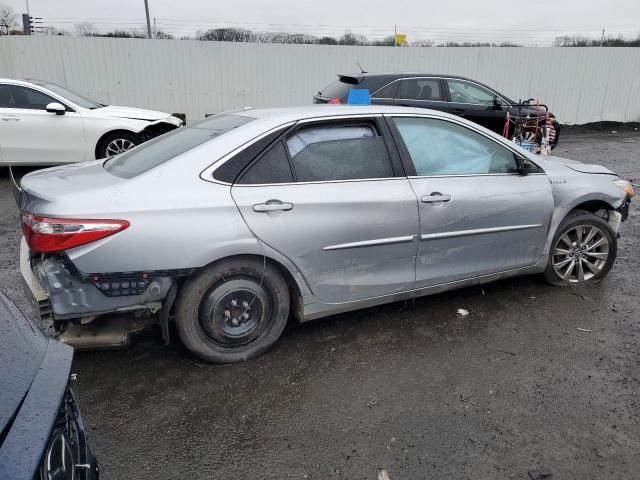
524	165
55	107
497	103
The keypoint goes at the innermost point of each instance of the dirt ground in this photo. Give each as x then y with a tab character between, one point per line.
535	381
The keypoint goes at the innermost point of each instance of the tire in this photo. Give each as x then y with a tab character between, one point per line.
595	253
110	143
214	328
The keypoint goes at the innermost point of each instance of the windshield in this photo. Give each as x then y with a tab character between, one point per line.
73	97
165	147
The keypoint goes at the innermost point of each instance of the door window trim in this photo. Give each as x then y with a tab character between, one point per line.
446	90
410	167
382	129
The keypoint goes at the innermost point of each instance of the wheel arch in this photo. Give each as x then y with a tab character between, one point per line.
296	286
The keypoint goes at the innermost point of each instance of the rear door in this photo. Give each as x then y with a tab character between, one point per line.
427	92
31	135
476	103
478	215
331	196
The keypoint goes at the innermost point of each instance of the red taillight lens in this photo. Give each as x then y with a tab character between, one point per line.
47	235
335	101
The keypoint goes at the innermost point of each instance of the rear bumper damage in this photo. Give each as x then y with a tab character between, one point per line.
74	300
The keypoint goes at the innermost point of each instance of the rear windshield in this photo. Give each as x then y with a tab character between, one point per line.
163	148
337	89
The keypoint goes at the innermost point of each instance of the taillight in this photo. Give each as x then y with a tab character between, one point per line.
335	101
47	235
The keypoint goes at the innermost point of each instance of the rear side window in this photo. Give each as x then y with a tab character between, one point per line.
345	152
161	149
420	89
337	89
272	167
387	92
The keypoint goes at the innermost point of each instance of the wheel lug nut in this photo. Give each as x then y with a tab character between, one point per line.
234	321
234	303
245	316
245	304
227	313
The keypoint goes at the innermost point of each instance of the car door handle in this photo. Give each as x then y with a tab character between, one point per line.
435	197
459	111
10	119
272	206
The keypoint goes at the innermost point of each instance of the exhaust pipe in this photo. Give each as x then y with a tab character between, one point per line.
105	333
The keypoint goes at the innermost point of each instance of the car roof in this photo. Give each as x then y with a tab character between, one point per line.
394	75
287	114
18	81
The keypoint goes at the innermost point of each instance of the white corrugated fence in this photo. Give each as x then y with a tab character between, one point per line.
581	85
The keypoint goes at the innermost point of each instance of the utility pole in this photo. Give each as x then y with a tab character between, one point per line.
395	35
146	8
602	38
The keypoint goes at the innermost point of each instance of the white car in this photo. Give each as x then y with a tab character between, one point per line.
45	124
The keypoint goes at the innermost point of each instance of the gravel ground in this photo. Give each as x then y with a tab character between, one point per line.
514	390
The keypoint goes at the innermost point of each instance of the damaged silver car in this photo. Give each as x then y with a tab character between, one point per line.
232	225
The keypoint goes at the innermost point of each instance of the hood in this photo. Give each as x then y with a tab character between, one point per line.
579	166
129	112
22	349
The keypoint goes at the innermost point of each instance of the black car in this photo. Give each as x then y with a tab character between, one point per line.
448	93
42	436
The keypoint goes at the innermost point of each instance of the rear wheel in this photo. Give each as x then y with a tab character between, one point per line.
115	143
583	250
232	311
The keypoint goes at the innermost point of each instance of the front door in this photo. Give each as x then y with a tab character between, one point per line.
476	103
331	198
31	135
478	215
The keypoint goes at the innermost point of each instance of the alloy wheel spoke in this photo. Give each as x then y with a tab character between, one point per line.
564	262
561	251
580	271
601	255
591	266
596	244
569	269
579	232
565	238
590	235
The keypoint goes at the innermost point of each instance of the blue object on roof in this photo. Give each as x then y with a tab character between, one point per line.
359	96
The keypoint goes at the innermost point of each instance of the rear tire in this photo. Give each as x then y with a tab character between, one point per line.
232	311
115	143
583	250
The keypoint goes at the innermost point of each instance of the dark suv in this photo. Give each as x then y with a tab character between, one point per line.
449	93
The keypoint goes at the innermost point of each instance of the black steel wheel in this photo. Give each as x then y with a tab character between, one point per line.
232	311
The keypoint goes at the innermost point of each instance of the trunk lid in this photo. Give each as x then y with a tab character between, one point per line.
50	191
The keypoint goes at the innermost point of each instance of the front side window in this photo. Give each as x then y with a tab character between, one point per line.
438	147
420	89
16	96
73	97
338	152
466	92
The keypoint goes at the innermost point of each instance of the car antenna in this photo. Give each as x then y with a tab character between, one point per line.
361	69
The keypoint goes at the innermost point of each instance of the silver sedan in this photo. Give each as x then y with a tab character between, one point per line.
234	224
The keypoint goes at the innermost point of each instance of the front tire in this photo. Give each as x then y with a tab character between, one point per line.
115	143
583	250
232	311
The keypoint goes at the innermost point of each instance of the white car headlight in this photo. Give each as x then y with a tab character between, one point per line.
626	186
174	121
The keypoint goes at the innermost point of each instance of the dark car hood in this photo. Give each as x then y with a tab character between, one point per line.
22	349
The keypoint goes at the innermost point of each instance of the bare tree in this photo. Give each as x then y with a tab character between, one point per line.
422	43
8	19
86	29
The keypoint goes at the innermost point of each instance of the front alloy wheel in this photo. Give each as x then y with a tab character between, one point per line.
583	250
118	145
581	253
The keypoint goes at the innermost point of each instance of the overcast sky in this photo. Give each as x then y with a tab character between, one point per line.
528	23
